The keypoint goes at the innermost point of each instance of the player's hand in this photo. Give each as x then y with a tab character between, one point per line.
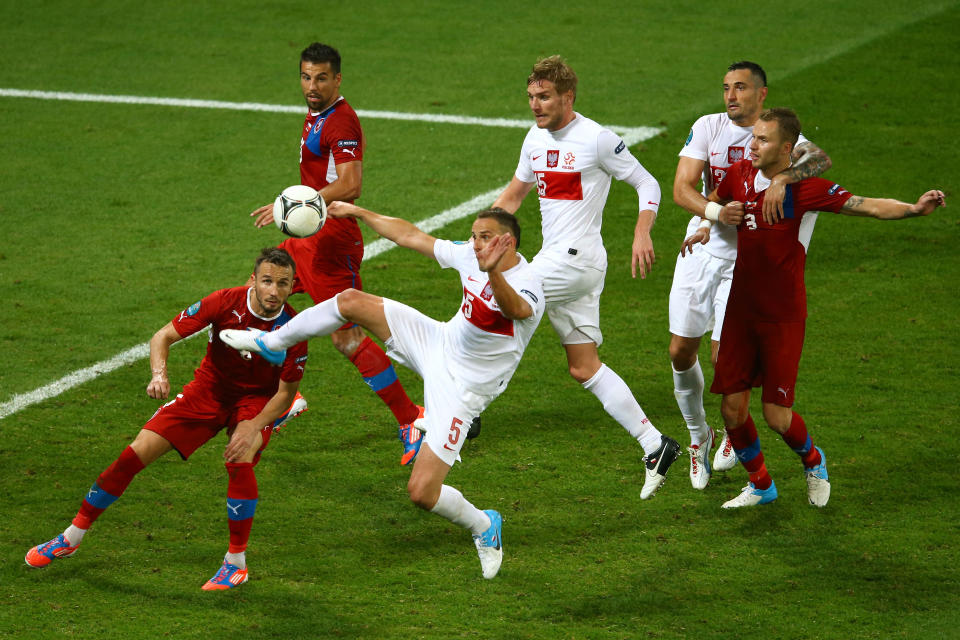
489	257
338	209
773	201
643	255
159	387
928	202
701	236
245	436
732	213
263	215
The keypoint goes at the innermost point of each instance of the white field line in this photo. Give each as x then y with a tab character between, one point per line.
631	135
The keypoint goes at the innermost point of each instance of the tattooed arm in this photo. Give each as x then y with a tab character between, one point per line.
889	209
808	160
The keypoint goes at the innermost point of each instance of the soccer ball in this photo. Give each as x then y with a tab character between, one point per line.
299	211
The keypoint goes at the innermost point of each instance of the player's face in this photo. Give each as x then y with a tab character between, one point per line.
321	86
484	230
552	110
271	288
767	149
743	97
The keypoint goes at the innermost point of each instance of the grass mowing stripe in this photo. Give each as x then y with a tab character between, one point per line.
631	135
133	354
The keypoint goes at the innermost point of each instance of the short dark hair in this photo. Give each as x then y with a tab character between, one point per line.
275	256
318	53
754	69
787	123
503	218
556	70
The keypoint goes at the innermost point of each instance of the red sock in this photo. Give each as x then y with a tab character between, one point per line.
241	503
379	374
109	486
798	439
746	444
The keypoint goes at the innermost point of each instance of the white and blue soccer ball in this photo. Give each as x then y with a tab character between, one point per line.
299	211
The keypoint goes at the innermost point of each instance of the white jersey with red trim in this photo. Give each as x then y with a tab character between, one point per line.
483	345
716	140
572	168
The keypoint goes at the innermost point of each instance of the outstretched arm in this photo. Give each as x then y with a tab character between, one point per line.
889	209
403	232
513	195
807	160
159	385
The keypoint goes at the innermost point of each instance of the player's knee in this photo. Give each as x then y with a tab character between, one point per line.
346	341
581	372
420	494
347	302
683	352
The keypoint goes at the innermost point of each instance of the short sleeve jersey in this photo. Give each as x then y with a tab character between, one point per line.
717	141
226	369
331	137
572	168
483	345
768	275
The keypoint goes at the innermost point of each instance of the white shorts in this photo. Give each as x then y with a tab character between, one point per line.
416	341
698	297
571	295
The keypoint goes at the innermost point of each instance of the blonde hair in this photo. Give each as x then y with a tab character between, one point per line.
556	70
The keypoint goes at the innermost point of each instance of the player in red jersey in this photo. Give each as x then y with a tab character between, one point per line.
767	309
331	161
232	391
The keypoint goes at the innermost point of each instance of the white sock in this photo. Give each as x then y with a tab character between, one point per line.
458	510
74	535
237	559
319	320
688	390
619	402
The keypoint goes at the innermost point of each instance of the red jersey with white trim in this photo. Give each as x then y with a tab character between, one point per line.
483	345
331	137
719	142
768	275
225	368
572	168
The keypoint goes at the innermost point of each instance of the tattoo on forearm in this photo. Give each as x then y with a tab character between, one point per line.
809	162
853	203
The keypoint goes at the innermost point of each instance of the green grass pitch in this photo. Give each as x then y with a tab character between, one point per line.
114	217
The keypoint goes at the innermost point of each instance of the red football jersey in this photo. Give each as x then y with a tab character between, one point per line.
224	367
329	138
768	275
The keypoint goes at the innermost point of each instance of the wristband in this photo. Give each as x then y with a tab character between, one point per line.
712	211
705	224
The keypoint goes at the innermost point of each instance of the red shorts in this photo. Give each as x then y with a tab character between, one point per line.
755	353
322	274
196	415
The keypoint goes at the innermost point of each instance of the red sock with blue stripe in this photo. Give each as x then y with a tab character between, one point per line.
241	505
379	374
746	444
109	486
798	439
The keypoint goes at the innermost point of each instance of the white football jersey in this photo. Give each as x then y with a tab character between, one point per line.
572	168
483	345
718	142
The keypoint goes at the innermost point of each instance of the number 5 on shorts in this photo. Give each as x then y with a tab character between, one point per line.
454	436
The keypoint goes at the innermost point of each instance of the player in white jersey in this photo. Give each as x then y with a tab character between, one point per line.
701	279
465	362
571	160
